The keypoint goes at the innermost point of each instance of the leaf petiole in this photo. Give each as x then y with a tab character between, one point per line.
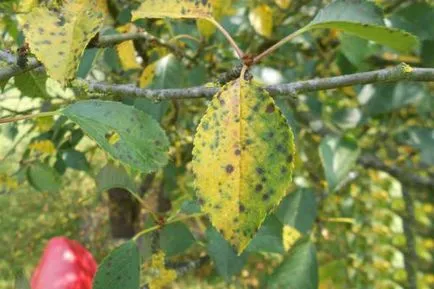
232	42
29	116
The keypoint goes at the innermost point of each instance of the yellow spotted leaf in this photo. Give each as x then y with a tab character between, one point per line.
127	55
220	8
283	3
290	236
148	74
173	9
242	160
261	19
58	39
165	276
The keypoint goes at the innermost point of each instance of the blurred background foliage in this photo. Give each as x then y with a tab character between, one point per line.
53	179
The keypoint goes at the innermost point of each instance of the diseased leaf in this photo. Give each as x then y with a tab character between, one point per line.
242	160
173	9
165	276
289	237
363	19
284	4
43	178
120	269
58	39
125	132
127	55
261	18
219	9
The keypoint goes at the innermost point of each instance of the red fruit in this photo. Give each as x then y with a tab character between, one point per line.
65	264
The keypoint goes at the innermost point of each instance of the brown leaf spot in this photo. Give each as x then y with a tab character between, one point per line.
258	187
270	108
237	152
229	168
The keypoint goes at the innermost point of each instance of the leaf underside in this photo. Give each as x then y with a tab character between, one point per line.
363	19
173	9
242	160
58	39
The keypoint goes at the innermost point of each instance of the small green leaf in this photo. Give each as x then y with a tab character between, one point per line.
120	269
175	238
126	133
421	138
298	210
363	19
415	18
226	260
111	176
298	270
75	160
388	97
338	156
43	177
32	84
268	238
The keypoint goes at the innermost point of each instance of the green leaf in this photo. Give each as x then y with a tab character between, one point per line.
298	210
43	177
388	97
242	160
167	72
75	160
363	19
268	238
298	270
58	39
226	260
111	176
126	133
338	156
421	138
415	18
120	269
32	84
86	62
175	239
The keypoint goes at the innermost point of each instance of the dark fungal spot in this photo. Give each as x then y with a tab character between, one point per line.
205	125
229	168
289	158
242	208
259	187
237	152
41	30
61	21
280	148
204	2
259	170
26	26
270	108
283	170
222	231
265	197
61	53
